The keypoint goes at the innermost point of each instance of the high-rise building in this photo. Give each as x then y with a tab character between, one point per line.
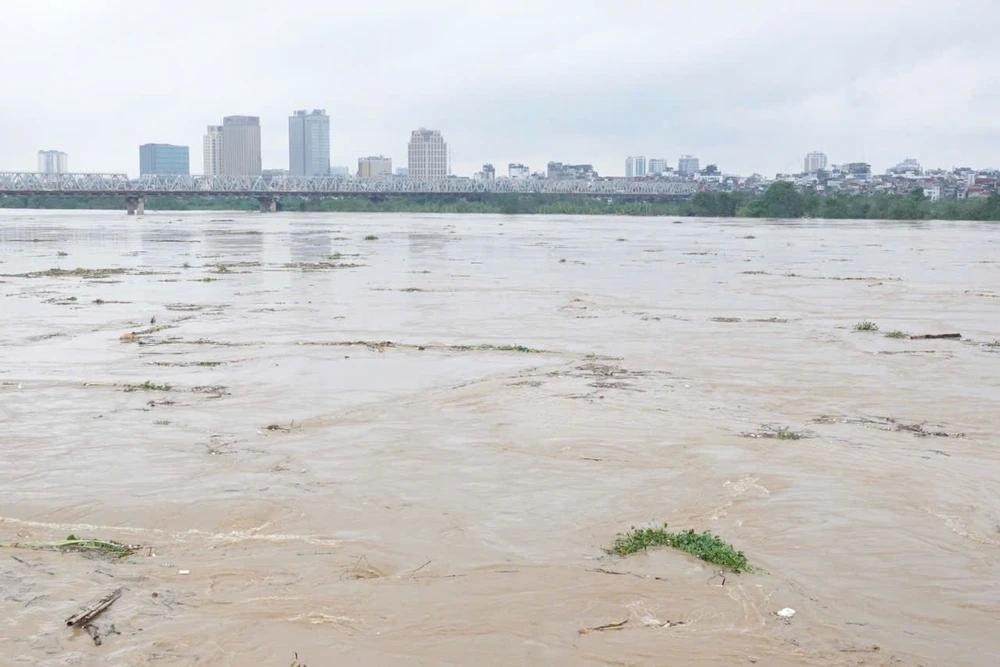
657	166
518	170
309	143
53	162
241	146
427	154
635	166
687	165
374	166
164	159
211	147
814	162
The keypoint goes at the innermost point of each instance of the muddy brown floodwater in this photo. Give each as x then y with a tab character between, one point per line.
415	448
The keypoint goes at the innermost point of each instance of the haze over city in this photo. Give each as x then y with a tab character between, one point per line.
750	88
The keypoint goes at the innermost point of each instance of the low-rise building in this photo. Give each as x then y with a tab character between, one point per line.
374	166
557	171
518	170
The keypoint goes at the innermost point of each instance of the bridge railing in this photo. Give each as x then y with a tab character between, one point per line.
25	182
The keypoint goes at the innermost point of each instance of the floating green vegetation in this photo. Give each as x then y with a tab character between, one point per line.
866	325
706	546
896	333
94	545
383	345
490	347
321	266
88	545
995	343
146	386
371	237
776	432
78	272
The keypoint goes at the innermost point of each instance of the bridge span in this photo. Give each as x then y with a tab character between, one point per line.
269	189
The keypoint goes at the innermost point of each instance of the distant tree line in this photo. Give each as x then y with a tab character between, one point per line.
780	200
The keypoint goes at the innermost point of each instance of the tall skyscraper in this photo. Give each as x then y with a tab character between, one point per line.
241	146
212	150
374	166
309	143
687	165
814	162
53	162
427	154
164	159
635	166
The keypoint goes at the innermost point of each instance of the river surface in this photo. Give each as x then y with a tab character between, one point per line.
409	439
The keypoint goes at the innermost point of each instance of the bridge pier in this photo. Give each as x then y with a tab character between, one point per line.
268	203
135	205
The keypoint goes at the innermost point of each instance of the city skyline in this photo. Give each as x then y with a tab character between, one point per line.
529	96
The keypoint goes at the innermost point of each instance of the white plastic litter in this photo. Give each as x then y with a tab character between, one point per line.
189	572
787	612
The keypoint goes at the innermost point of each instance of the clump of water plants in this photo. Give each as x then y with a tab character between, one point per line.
776	432
786	433
896	333
866	325
371	237
148	385
706	546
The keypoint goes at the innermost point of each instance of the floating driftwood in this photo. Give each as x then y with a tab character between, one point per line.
930	336
602	628
94	610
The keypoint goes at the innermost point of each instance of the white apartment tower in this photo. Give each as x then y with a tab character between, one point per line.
212	150
635	166
53	162
657	166
427	155
814	162
241	146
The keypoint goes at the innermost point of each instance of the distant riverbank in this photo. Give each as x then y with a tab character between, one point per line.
781	200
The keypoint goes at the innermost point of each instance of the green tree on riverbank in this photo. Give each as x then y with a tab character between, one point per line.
780	200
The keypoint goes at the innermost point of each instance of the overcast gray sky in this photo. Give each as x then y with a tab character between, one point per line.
749	85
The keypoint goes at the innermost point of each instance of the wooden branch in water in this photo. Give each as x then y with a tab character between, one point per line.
601	628
94	610
930	336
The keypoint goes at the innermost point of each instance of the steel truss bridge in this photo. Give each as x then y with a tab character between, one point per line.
268	189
